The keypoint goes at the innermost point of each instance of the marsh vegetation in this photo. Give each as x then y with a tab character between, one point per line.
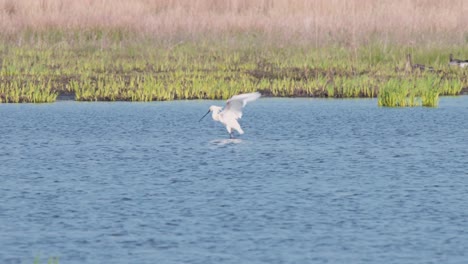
166	50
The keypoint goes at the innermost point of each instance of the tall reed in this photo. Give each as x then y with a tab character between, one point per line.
411	92
320	22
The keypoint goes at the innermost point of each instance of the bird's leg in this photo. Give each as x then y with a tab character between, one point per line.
231	135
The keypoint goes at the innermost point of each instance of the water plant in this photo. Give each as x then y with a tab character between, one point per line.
394	93
21	90
410	92
216	70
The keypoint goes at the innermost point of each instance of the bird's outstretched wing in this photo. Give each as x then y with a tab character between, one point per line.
234	105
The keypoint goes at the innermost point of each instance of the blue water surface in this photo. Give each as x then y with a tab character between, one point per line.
310	181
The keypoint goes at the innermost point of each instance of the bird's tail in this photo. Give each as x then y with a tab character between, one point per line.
240	131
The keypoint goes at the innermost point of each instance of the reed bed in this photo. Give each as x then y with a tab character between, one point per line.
218	70
410	93
149	50
25	90
421	91
320	22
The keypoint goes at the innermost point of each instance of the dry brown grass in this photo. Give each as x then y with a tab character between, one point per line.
348	22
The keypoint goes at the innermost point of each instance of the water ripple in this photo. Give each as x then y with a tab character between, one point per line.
311	181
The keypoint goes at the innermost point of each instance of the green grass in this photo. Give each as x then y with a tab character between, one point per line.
147	71
421	91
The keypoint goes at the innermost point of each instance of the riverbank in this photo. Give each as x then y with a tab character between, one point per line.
218	69
168	50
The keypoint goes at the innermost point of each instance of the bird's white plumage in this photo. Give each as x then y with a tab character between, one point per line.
233	111
233	108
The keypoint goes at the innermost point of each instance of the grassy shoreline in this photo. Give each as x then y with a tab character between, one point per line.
217	69
167	50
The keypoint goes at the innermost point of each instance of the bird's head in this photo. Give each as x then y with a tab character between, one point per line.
212	108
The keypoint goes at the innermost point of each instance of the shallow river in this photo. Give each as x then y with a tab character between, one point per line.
310	181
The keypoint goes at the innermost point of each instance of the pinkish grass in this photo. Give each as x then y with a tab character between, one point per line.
346	22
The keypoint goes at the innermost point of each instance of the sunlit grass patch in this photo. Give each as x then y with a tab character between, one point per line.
410	92
219	69
21	90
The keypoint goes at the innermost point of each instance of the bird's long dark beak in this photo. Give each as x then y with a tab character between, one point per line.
204	116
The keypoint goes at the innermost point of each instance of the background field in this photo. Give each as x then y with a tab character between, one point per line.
349	22
162	50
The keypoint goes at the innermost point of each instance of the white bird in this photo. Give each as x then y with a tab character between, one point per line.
232	111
